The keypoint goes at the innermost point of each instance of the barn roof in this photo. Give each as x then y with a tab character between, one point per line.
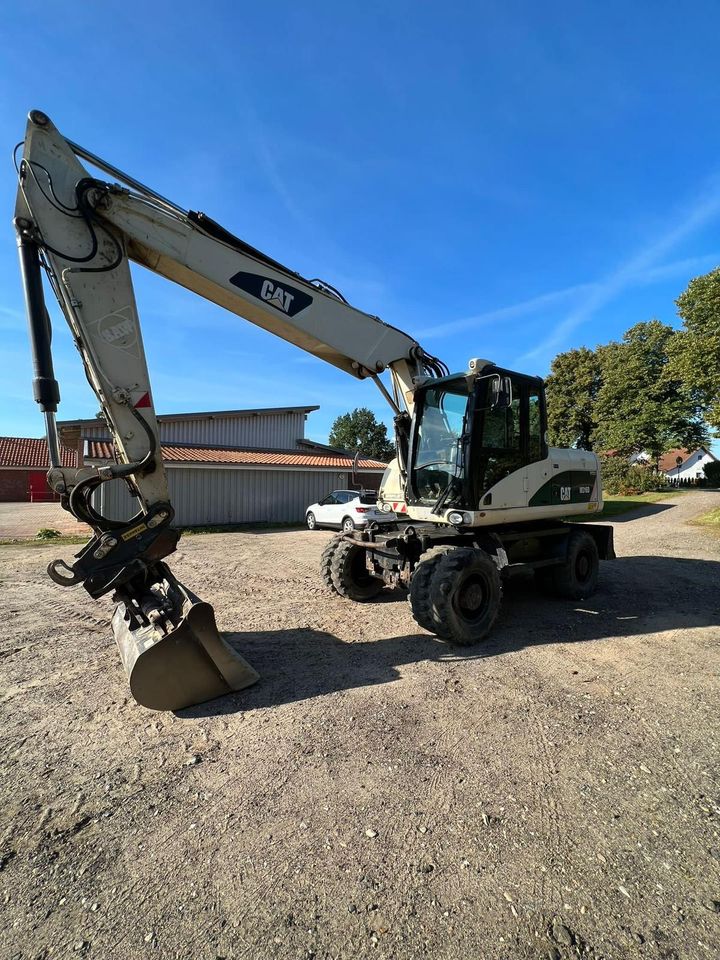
202	415
31	452
194	453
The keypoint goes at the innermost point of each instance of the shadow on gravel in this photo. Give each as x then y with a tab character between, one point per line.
636	596
638	512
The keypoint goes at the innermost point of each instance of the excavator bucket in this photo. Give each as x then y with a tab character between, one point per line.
185	666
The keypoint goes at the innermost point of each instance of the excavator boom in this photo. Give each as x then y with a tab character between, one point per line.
473	471
84	232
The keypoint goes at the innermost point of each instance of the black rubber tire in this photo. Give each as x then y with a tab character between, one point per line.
577	578
326	561
419	594
465	592
310	520
348	525
350	577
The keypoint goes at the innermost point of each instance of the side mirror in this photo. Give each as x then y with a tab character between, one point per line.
501	393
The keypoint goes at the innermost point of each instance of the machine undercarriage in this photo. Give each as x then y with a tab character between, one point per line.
454	578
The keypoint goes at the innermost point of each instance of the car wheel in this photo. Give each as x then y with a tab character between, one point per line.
310	520
347	525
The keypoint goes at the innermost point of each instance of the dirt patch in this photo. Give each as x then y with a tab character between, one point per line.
552	793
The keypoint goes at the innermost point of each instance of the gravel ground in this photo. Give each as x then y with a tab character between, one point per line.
550	794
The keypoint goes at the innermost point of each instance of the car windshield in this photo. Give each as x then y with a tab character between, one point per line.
438	451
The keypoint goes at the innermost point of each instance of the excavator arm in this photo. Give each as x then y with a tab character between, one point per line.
83	232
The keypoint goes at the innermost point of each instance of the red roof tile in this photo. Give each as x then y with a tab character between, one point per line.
103	450
668	461
31	452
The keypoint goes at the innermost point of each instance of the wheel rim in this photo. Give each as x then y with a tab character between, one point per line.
470	600
348	526
583	566
310	519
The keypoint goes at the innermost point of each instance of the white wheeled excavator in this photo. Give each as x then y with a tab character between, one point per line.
478	492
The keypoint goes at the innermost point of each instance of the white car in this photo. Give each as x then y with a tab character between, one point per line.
345	510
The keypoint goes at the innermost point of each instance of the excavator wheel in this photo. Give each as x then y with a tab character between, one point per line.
419	594
577	578
326	561
349	573
465	593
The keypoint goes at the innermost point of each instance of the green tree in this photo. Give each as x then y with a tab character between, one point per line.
360	430
712	472
571	390
642	404
695	354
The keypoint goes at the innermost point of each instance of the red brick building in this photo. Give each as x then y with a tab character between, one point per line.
23	466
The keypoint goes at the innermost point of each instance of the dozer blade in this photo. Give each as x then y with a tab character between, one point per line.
189	665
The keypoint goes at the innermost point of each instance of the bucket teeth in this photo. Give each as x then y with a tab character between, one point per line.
187	665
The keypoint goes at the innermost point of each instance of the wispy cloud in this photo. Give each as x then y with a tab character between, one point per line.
638	269
11	319
687	267
523	308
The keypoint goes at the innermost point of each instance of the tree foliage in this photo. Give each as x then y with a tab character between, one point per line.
643	404
621	477
572	388
712	472
695	354
361	430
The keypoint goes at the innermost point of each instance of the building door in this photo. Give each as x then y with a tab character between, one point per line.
38	489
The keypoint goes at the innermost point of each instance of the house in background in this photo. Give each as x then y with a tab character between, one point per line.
23	469
685	466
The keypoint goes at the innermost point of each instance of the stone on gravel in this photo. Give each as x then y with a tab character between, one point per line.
561	934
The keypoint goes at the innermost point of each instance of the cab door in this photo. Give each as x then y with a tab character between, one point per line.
511	445
538	467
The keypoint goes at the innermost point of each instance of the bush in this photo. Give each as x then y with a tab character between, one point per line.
46	533
619	477
712	473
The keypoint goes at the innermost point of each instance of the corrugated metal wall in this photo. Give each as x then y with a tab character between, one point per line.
217	496
280	431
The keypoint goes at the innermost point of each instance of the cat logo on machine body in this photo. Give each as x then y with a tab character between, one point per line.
288	300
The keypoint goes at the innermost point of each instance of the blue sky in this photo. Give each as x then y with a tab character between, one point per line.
504	180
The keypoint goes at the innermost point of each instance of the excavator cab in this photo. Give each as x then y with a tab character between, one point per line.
461	423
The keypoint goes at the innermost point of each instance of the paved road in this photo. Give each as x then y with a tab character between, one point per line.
25	519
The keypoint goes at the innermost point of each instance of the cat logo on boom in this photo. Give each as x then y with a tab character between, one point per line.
276	295
288	300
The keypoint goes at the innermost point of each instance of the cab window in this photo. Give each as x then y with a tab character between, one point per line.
501	445
535	426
